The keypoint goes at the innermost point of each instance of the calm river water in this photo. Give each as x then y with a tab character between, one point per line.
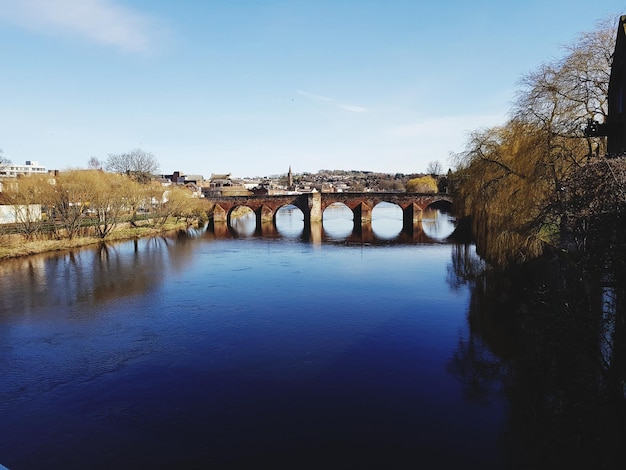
243	350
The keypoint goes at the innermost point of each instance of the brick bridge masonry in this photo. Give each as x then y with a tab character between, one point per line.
312	206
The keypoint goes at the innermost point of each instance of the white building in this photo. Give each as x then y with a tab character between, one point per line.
11	170
10	214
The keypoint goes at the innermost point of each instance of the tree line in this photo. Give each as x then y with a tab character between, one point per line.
512	181
69	201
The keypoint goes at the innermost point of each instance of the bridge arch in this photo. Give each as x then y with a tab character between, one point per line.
338	221
387	220
236	224
288	206
282	217
336	206
443	205
234	209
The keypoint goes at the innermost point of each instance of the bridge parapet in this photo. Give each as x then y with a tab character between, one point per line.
422	200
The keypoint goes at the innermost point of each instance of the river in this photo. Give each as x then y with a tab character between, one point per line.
236	349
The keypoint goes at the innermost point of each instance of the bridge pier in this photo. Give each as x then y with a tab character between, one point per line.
263	215
315	232
219	214
362	216
267	228
414	233
362	232
219	229
312	210
411	217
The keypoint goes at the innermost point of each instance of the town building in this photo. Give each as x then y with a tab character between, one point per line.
224	185
12	170
180	178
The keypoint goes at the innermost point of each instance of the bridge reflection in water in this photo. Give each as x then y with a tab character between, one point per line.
385	222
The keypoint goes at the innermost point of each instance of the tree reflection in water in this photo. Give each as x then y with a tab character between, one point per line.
551	337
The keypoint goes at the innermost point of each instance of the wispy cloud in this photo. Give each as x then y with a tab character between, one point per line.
352	107
105	22
348	107
445	125
314	96
439	136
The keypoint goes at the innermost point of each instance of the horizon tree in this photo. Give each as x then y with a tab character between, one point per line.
434	168
137	164
94	163
421	184
3	160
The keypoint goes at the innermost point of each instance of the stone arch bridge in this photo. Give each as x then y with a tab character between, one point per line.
313	204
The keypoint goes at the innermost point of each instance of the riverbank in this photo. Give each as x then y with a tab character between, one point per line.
16	247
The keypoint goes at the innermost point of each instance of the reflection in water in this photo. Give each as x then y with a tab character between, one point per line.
338	222
608	327
387	221
437	224
89	276
244	224
290	222
554	342
186	350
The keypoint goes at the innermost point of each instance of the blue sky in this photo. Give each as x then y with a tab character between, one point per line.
252	87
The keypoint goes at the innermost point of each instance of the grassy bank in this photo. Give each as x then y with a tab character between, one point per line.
16	246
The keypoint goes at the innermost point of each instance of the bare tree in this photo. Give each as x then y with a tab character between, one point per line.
137	164
68	198
25	196
434	168
94	163
509	177
137	196
107	200
3	160
177	203
560	96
